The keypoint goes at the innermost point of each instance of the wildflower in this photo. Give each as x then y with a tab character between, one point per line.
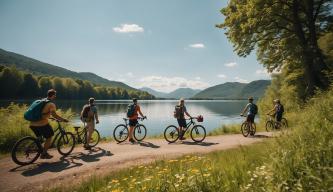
206	174
114	181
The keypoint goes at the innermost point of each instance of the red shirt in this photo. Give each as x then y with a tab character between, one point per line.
136	111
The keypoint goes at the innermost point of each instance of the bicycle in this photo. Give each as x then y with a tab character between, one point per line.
120	133
272	124
28	149
198	132
247	129
82	136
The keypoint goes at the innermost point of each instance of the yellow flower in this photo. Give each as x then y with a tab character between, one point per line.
206	174
114	181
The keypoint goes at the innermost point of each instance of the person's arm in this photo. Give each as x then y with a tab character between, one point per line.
271	111
245	109
96	116
185	111
54	114
188	114
139	110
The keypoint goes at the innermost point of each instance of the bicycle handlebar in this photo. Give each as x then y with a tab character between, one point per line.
57	120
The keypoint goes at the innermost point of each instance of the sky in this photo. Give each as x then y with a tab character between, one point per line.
161	44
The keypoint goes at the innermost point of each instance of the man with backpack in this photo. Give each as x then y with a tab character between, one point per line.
133	111
179	114
252	110
88	117
279	110
38	114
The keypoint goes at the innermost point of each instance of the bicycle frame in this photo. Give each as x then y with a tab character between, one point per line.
58	132
188	125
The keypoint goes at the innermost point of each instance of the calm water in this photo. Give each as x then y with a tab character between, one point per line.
158	112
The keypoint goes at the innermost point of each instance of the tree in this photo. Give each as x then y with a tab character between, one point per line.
10	82
284	32
29	87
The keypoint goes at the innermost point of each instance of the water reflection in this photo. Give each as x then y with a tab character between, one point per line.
159	113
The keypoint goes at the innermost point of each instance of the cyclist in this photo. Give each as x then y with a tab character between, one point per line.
179	114
278	112
133	112
42	127
251	110
88	116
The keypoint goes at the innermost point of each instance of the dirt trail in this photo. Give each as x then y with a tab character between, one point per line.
107	157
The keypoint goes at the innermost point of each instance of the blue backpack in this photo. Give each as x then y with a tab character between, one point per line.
34	112
253	109
131	110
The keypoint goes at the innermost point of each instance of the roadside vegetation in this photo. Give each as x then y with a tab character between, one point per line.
14	126
300	159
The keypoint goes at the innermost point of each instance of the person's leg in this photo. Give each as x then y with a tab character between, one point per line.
47	133
132	124
90	130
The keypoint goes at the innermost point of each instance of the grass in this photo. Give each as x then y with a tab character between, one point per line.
13	126
216	171
299	160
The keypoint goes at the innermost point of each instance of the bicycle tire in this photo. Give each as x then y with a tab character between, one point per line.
254	129
66	139
120	128
245	129
137	132
269	126
96	137
35	145
173	132
194	130
284	123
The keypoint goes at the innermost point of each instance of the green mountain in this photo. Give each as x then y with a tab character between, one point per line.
176	94
234	90
40	68
157	94
182	93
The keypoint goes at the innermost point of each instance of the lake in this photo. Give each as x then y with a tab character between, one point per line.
158	112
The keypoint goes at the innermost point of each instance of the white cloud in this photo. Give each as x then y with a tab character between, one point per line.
129	74
197	45
128	28
167	84
238	79
261	72
221	76
197	78
231	64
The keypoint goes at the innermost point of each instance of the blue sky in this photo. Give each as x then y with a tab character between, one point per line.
159	44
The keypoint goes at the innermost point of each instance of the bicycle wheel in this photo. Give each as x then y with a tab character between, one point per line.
269	126
66	143
140	132
26	151
245	129
253	130
284	123
120	133
95	138
198	133
171	134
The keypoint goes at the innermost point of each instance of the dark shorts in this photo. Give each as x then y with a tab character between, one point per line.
250	118
46	131
133	122
181	122
278	117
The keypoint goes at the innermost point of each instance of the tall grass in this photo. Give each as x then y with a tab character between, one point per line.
299	160
13	126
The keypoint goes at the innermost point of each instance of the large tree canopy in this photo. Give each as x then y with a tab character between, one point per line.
284	32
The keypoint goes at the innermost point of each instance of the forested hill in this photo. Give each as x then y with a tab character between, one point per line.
40	68
17	84
234	90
